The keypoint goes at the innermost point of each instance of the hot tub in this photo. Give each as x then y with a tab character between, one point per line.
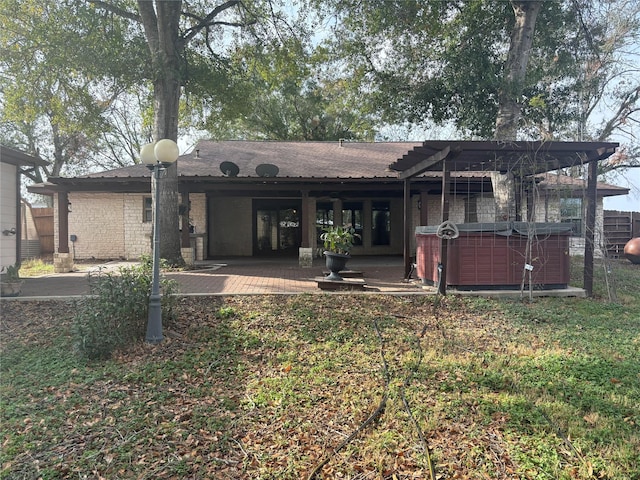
494	255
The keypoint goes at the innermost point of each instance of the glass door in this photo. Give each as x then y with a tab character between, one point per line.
277	229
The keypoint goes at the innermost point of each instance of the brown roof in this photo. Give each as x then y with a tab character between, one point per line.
293	159
334	161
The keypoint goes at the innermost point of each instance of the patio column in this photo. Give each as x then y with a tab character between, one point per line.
63	222
62	259
407	227
307	224
444	216
589	234
306	220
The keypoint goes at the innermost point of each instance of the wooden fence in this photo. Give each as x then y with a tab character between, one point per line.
619	228
43	218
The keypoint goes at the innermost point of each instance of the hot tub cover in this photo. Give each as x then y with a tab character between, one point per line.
504	228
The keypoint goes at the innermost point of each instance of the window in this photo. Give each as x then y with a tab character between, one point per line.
380	223
571	212
352	217
470	209
324	218
147	210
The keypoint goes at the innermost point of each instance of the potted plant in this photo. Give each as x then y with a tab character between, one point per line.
10	283
338	242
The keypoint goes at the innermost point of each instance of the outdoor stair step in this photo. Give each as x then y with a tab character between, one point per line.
345	284
347	273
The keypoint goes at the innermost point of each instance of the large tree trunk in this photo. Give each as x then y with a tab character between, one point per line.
509	107
161	30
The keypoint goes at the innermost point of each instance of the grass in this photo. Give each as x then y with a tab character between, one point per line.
35	267
267	387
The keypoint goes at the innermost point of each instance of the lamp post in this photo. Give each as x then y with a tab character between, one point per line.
157	157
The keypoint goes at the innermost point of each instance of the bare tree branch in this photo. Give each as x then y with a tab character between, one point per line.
624	110
117	10
208	20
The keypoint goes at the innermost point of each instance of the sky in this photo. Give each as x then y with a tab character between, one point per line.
627	203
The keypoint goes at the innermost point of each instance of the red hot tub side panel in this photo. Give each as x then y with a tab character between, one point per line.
481	259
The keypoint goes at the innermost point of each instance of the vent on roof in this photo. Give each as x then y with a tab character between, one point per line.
229	169
267	170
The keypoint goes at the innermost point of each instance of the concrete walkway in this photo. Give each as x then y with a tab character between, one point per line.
237	276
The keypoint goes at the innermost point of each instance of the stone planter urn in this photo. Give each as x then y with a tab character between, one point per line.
337	242
10	281
10	289
335	263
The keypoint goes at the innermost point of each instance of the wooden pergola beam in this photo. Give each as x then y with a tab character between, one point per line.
425	164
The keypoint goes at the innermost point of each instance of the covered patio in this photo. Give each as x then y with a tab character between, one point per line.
260	199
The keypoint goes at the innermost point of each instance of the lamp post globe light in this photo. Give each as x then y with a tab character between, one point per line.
157	157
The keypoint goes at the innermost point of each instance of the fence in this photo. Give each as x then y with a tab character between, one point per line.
43	218
619	228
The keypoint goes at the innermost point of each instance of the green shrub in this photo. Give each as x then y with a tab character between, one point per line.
115	313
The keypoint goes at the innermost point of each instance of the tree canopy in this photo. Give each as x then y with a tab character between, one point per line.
448	61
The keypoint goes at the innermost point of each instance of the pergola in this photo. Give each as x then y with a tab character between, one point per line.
522	159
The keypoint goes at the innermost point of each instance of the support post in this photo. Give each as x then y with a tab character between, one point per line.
305	219
63	222
444	216
407	228
590	228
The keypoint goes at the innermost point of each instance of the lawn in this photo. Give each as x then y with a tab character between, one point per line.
333	386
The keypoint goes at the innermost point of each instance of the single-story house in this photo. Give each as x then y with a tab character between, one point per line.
267	198
12	164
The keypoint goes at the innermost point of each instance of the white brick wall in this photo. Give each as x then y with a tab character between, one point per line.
137	234
110	225
98	221
198	212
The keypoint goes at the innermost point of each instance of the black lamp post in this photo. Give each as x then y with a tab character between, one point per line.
157	157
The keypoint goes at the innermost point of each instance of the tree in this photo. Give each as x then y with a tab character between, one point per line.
169	28
515	70
278	96
496	69
54	98
484	65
